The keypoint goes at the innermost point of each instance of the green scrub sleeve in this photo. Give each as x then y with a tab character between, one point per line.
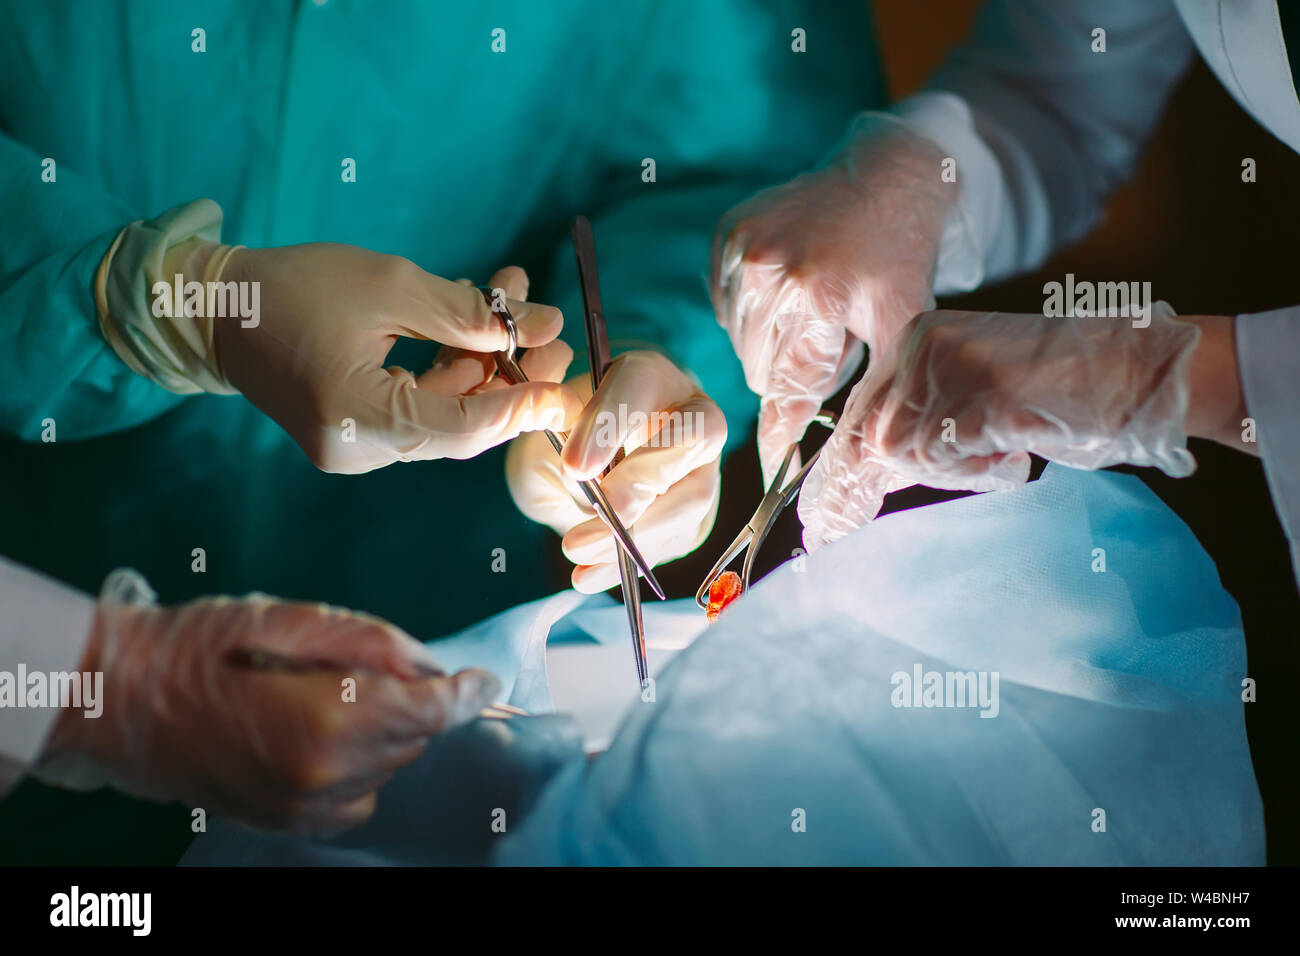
59	379
653	257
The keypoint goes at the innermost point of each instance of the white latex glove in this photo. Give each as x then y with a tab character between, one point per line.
666	490
329	314
960	399
805	272
269	748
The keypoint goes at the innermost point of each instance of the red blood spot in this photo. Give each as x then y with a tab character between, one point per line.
725	588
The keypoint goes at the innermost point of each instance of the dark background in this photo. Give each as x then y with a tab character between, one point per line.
1209	244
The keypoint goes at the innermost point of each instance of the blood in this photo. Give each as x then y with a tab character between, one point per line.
726	587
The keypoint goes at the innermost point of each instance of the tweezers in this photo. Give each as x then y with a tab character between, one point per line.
512	373
598	354
779	494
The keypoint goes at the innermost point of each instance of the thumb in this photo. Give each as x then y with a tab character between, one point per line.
421	708
475	689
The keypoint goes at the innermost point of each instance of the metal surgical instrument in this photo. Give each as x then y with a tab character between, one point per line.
511	371
584	249
778	495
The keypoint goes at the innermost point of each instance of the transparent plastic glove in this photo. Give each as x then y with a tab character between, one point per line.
666	490
805	272
271	748
960	399
314	360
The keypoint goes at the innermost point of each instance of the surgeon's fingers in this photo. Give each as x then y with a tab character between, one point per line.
347	639
439	703
319	729
513	281
388	715
675	524
637	385
546	363
805	368
946	446
512	284
842	492
694	434
458	315
782	421
457	372
419	425
539	486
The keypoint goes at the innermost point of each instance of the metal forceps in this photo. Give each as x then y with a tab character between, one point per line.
584	249
769	509
511	371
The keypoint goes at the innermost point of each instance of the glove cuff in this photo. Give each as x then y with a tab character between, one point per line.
944	120
88	755
157	292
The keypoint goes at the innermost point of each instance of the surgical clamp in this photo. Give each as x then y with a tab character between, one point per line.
774	501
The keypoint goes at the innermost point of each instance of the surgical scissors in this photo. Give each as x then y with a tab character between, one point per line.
598	354
778	495
511	371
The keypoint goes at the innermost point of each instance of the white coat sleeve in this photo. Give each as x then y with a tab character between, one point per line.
1268	358
44	628
1042	124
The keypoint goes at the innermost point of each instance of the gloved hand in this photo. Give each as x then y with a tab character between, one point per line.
959	399
805	272
314	360
666	490
270	748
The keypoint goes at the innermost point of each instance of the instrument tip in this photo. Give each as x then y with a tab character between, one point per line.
655	586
